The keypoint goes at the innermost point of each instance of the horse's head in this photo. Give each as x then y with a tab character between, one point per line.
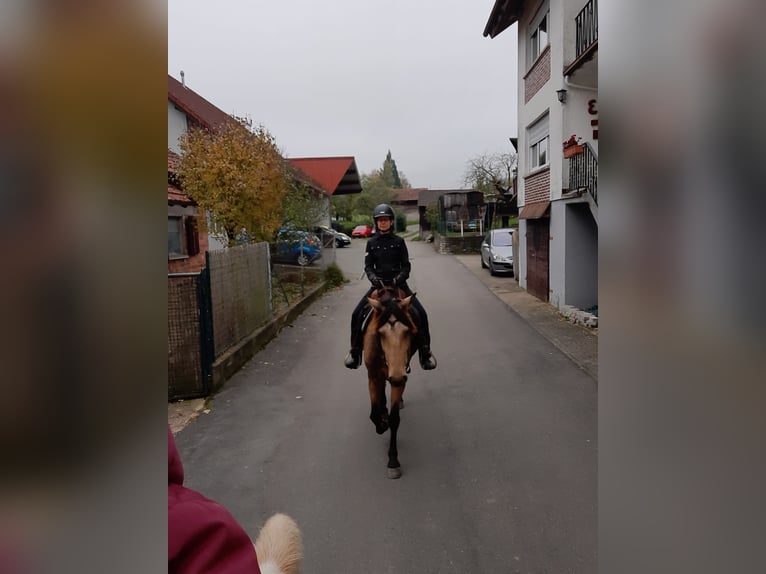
395	329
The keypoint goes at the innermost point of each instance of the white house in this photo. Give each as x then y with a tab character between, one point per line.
557	189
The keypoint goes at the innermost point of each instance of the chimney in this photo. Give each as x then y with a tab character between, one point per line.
183	83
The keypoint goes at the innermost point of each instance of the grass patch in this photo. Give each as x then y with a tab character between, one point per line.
290	287
333	276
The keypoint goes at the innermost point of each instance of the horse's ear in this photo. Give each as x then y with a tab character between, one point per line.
375	304
406	301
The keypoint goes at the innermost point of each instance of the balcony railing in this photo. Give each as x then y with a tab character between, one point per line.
586	24
583	172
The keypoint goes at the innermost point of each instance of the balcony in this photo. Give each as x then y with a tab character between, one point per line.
585	63
583	173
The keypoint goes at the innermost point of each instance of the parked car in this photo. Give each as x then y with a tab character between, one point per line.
294	246
497	251
361	231
341	239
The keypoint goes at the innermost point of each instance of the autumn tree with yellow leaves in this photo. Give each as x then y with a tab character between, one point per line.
236	174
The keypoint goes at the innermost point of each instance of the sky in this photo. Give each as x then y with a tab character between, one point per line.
356	78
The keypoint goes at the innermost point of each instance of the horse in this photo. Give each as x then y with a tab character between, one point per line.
387	348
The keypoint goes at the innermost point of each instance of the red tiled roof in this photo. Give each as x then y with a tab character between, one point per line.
194	105
173	159
175	195
336	175
408	194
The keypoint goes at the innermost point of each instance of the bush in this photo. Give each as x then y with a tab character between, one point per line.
334	276
401	222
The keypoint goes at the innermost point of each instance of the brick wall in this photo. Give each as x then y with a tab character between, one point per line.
538	75
194	263
537	187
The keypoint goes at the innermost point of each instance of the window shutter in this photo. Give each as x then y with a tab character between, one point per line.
538	130
192	236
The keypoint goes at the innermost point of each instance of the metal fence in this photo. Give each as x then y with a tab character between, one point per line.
214	310
190	353
240	287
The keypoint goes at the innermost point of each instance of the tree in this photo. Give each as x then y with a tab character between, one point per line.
492	174
237	176
302	206
390	174
375	191
343	207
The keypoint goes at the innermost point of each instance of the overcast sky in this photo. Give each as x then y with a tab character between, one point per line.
356	77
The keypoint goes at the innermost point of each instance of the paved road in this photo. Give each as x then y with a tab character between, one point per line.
497	445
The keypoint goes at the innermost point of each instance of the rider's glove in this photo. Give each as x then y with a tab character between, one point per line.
376	282
399	279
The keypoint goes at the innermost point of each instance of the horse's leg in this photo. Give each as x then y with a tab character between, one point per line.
378	412
394	468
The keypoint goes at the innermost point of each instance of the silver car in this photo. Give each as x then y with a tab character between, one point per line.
497	251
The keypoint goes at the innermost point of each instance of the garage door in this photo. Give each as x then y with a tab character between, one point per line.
538	236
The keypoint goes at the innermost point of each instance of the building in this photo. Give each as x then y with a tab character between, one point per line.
324	176
558	146
187	238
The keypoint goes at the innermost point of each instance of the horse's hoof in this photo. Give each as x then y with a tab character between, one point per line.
380	428
395	472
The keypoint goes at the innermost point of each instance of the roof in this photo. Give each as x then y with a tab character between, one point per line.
305	178
175	195
427	197
534	210
504	14
336	175
407	194
194	105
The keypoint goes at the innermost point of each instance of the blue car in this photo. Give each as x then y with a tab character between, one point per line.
294	246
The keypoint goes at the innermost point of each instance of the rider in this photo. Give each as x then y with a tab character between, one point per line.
387	261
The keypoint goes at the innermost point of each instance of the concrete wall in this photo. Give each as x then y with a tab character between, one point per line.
176	126
556	254
573	256
581	263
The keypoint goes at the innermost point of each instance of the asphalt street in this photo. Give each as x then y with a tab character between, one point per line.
497	445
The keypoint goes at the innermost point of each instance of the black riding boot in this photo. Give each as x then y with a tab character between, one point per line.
354	357
427	359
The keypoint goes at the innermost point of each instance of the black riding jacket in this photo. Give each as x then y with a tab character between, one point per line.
387	258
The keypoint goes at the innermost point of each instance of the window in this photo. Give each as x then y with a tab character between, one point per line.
537	138
538	40
175	241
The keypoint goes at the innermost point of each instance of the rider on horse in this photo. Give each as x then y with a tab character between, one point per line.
387	262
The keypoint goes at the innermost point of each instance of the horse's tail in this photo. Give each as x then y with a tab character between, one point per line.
279	546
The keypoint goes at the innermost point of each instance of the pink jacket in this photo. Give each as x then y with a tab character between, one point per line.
202	535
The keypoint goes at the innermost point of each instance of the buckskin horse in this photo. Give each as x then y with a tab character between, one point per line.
387	349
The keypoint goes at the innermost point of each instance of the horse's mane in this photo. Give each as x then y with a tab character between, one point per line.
390	297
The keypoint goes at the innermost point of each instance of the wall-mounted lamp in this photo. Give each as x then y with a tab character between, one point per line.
562	95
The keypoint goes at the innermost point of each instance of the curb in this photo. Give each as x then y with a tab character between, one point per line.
234	358
576	341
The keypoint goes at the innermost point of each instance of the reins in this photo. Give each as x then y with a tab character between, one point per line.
390	297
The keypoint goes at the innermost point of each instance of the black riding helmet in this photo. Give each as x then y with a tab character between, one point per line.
383	210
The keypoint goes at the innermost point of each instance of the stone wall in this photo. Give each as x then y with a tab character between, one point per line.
458	245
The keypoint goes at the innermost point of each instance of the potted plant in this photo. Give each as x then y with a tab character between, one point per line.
572	146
